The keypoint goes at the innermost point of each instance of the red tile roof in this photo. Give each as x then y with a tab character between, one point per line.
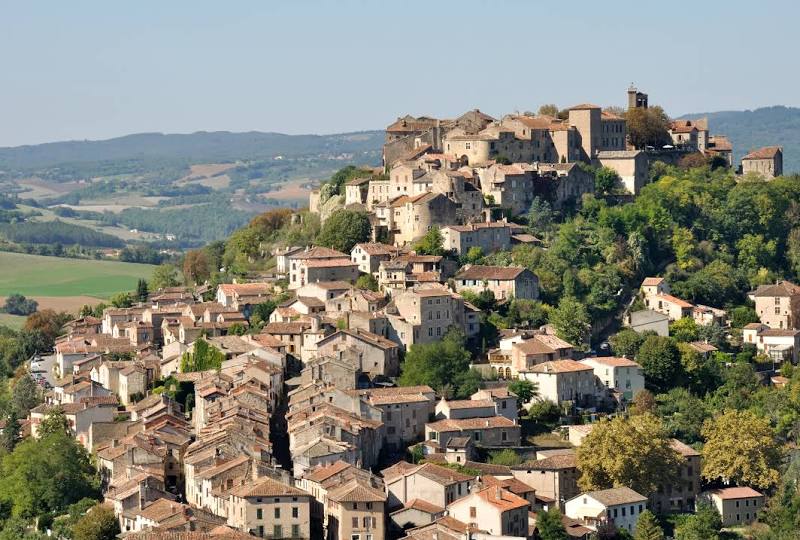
768	152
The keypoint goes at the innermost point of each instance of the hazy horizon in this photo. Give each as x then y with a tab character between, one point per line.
95	71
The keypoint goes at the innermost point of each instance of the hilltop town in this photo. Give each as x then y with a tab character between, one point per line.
570	324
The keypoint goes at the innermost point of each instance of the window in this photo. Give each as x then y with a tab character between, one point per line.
473	513
259	514
365	522
295	531
503	436
295	512
355	523
277	531
476	435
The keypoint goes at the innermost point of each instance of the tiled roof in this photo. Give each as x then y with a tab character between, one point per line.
324	472
472	423
782	288
329	263
286	328
736	493
683	449
768	152
502	498
652	281
376	248
479	272
469	403
552	463
421	505
584	106
560	366
616	496
613	361
318	252
675	300
267	487
356	491
161	509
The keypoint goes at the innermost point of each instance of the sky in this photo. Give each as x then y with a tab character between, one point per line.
99	69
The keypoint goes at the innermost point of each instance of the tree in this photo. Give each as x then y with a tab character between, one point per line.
548	109
634	452
25	396
741	449
540	216
703	373
550	526
122	300
344	229
606	180
17	304
141	291
202	358
196	266
367	282
10	435
626	343
683	414
647	528
46	475
436	364
544	411
164	276
571	321
474	255
742	316
684	330
643	402
262	311
99	523
660	363
647	127
705	524
54	422
524	389
431	244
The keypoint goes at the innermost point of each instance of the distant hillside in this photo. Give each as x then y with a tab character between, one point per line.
762	127
184	149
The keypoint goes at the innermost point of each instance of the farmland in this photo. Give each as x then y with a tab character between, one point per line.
38	276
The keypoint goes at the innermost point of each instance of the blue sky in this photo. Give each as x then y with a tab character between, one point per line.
98	69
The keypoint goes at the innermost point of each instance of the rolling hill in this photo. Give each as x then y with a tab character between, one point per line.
766	126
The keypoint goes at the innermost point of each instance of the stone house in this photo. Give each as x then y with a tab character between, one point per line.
527	353
767	161
618	375
736	505
632	166
489	236
494	509
778	305
619	506
505	282
563	380
268	508
377	355
458	409
319	253
424	315
406	219
779	345
490	432
368	256
505	401
428	482
554	477
681	495
356	510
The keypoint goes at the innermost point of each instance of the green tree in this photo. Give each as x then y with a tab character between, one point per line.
99	523
571	321
122	300
684	330
550	526
540	216
54	422
741	448
204	357
25	395
626	343
367	282
741	316
524	389
523	312
705	524
634	452
436	364
606	180
164	276
544	411
46	475
10	435
17	304
660	363
344	229
683	244
755	251
141	291
261	312
647	528
431	244
683	414
647	127
474	255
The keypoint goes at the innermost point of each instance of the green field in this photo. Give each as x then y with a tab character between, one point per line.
12	321
34	275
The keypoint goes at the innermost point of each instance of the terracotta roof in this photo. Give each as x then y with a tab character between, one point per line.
702	347
472	423
421	505
267	487
469	403
161	509
376	248
613	361
675	300
356	491
782	288
514	485
245	289
286	327
318	252
652	281
552	463
683	449
584	106
736	493
329	263
444	476
479	272
768	152
502	498
324	472
560	366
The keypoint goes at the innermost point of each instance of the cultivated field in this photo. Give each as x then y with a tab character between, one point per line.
36	276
